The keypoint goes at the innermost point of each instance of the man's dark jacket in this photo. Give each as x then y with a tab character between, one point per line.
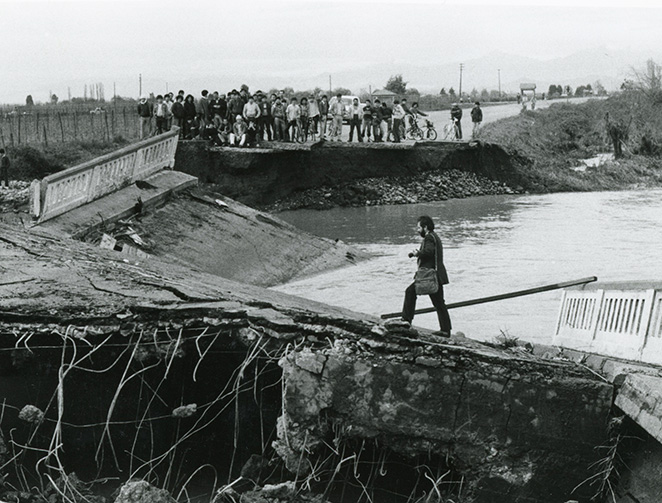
456	113
426	256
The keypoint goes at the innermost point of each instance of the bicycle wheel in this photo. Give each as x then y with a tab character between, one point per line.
431	134
299	136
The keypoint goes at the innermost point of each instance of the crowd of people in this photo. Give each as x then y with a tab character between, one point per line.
242	119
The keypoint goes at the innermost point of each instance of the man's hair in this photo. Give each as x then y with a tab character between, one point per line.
404	99
205	92
2	150
477	103
396	102
324	96
294	98
339	95
377	101
414	104
181	91
367	101
426	222
179	97
159	97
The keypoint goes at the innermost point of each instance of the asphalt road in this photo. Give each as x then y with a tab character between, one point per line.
491	113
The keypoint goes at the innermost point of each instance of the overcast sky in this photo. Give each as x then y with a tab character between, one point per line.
52	45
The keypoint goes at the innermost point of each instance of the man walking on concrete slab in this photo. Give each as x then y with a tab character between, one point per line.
430	258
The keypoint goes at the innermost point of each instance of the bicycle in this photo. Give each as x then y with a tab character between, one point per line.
415	132
451	131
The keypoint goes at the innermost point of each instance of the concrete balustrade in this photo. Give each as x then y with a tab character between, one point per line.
623	320
73	187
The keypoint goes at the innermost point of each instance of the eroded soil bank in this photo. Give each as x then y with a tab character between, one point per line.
288	175
116	368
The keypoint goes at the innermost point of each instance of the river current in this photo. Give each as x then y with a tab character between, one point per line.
492	245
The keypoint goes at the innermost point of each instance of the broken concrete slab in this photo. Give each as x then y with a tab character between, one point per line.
640	397
118	205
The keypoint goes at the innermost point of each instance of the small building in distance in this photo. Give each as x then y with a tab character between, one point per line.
527	87
384	95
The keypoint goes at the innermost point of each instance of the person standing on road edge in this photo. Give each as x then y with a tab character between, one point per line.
160	115
337	112
4	167
355	116
385	125
202	109
429	255
324	112
293	112
456	115
377	121
366	123
178	114
476	118
145	117
280	121
398	116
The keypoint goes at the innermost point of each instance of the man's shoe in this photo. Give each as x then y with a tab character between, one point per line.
441	333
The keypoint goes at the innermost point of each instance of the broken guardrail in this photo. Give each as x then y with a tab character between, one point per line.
61	192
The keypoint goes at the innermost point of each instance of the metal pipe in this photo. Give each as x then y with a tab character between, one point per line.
502	296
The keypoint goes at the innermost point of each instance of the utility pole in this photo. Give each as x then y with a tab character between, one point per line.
461	68
140	84
499	70
330	85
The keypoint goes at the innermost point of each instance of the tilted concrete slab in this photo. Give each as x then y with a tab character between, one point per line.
640	398
118	205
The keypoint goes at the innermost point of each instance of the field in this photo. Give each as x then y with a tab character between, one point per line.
39	126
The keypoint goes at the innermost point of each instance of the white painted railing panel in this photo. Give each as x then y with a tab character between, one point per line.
73	187
652	351
624	323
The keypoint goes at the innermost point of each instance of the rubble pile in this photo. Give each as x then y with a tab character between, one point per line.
15	196
425	187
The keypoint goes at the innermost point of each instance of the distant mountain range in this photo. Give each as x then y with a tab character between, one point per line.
583	67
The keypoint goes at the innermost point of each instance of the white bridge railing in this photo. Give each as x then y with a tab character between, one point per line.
623	320
73	187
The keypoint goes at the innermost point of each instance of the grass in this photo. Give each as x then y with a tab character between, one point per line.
30	162
549	143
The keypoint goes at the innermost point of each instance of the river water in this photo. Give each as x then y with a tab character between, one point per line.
492	244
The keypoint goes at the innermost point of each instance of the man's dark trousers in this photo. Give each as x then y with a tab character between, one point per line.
437	301
355	122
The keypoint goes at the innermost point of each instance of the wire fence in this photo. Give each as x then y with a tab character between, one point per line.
43	127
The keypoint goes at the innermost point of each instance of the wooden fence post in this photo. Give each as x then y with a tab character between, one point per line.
19	129
105	117
75	124
45	136
59	116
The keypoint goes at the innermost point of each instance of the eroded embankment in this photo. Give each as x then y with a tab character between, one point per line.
143	368
204	230
347	172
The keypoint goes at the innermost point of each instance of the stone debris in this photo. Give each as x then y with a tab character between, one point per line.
185	410
426	187
140	491
31	414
